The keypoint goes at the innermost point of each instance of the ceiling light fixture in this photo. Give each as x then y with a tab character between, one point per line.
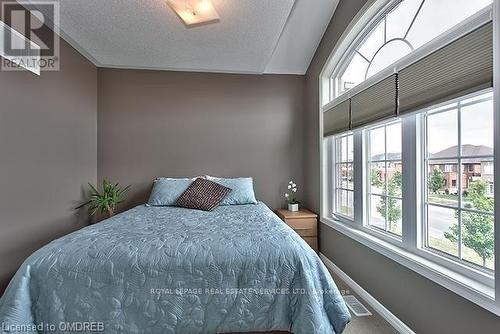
194	12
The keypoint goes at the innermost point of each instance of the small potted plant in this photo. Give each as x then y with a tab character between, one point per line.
291	197
106	201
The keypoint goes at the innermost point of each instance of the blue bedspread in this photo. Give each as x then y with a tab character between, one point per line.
174	270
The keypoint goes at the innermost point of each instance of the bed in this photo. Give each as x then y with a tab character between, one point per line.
238	268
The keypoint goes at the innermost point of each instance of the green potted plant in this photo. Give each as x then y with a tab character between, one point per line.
105	201
291	197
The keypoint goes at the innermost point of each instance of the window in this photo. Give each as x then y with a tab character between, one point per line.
402	28
385	174
459	219
344	186
423	190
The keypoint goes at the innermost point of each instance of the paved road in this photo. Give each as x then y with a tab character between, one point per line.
440	220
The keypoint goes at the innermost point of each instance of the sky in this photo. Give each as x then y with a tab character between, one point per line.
476	123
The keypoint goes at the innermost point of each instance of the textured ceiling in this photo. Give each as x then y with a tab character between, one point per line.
253	36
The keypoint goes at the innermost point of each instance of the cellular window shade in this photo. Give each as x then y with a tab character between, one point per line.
337	119
375	103
461	67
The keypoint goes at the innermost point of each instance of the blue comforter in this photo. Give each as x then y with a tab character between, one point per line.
173	270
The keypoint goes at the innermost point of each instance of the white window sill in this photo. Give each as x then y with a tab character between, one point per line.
472	290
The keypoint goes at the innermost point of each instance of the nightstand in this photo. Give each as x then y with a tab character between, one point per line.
304	222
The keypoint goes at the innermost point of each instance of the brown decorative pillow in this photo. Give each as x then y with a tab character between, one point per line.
202	194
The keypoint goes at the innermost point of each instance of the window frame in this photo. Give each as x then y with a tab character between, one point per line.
367	168
422	118
335	77
469	282
328	98
386	7
337	162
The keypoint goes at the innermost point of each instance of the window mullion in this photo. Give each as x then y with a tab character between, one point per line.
385	180
411	178
331	156
459	179
496	119
358	177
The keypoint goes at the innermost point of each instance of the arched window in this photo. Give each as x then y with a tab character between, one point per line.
399	30
411	90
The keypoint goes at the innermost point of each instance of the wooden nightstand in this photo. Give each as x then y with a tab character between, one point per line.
304	222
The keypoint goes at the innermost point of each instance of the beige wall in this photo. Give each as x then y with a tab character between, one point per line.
48	145
159	123
423	305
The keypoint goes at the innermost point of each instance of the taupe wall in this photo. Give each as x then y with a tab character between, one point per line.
423	305
48	149
154	123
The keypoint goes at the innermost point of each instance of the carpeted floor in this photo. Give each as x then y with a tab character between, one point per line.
373	324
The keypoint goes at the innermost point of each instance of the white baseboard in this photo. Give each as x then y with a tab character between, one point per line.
369	299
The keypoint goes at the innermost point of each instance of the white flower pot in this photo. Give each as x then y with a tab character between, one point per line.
293	207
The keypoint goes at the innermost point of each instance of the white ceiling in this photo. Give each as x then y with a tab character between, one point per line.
253	36
301	36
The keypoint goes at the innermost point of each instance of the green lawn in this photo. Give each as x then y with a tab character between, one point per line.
444	196
447	199
468	254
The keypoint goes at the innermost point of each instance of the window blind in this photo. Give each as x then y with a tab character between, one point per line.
337	119
375	103
461	67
